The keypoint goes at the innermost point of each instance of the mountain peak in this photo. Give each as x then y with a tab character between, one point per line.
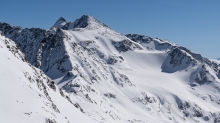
60	23
61	18
85	21
87	17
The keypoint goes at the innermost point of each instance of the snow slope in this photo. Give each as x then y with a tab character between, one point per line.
121	78
28	95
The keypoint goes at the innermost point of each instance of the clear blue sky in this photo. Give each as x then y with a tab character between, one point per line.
194	24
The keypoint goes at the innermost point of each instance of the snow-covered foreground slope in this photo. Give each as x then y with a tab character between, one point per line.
118	78
29	96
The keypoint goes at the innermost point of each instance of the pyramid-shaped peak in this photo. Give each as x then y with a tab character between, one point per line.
87	21
61	19
87	18
60	23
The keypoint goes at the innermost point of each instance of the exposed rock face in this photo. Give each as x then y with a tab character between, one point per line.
178	59
39	46
202	75
150	43
126	45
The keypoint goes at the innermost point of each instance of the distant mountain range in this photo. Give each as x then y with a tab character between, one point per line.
85	72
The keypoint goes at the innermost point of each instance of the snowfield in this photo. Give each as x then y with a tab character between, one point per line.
83	71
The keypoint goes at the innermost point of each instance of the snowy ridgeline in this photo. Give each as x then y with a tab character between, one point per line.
83	71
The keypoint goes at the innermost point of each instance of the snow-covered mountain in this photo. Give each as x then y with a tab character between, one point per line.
109	76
